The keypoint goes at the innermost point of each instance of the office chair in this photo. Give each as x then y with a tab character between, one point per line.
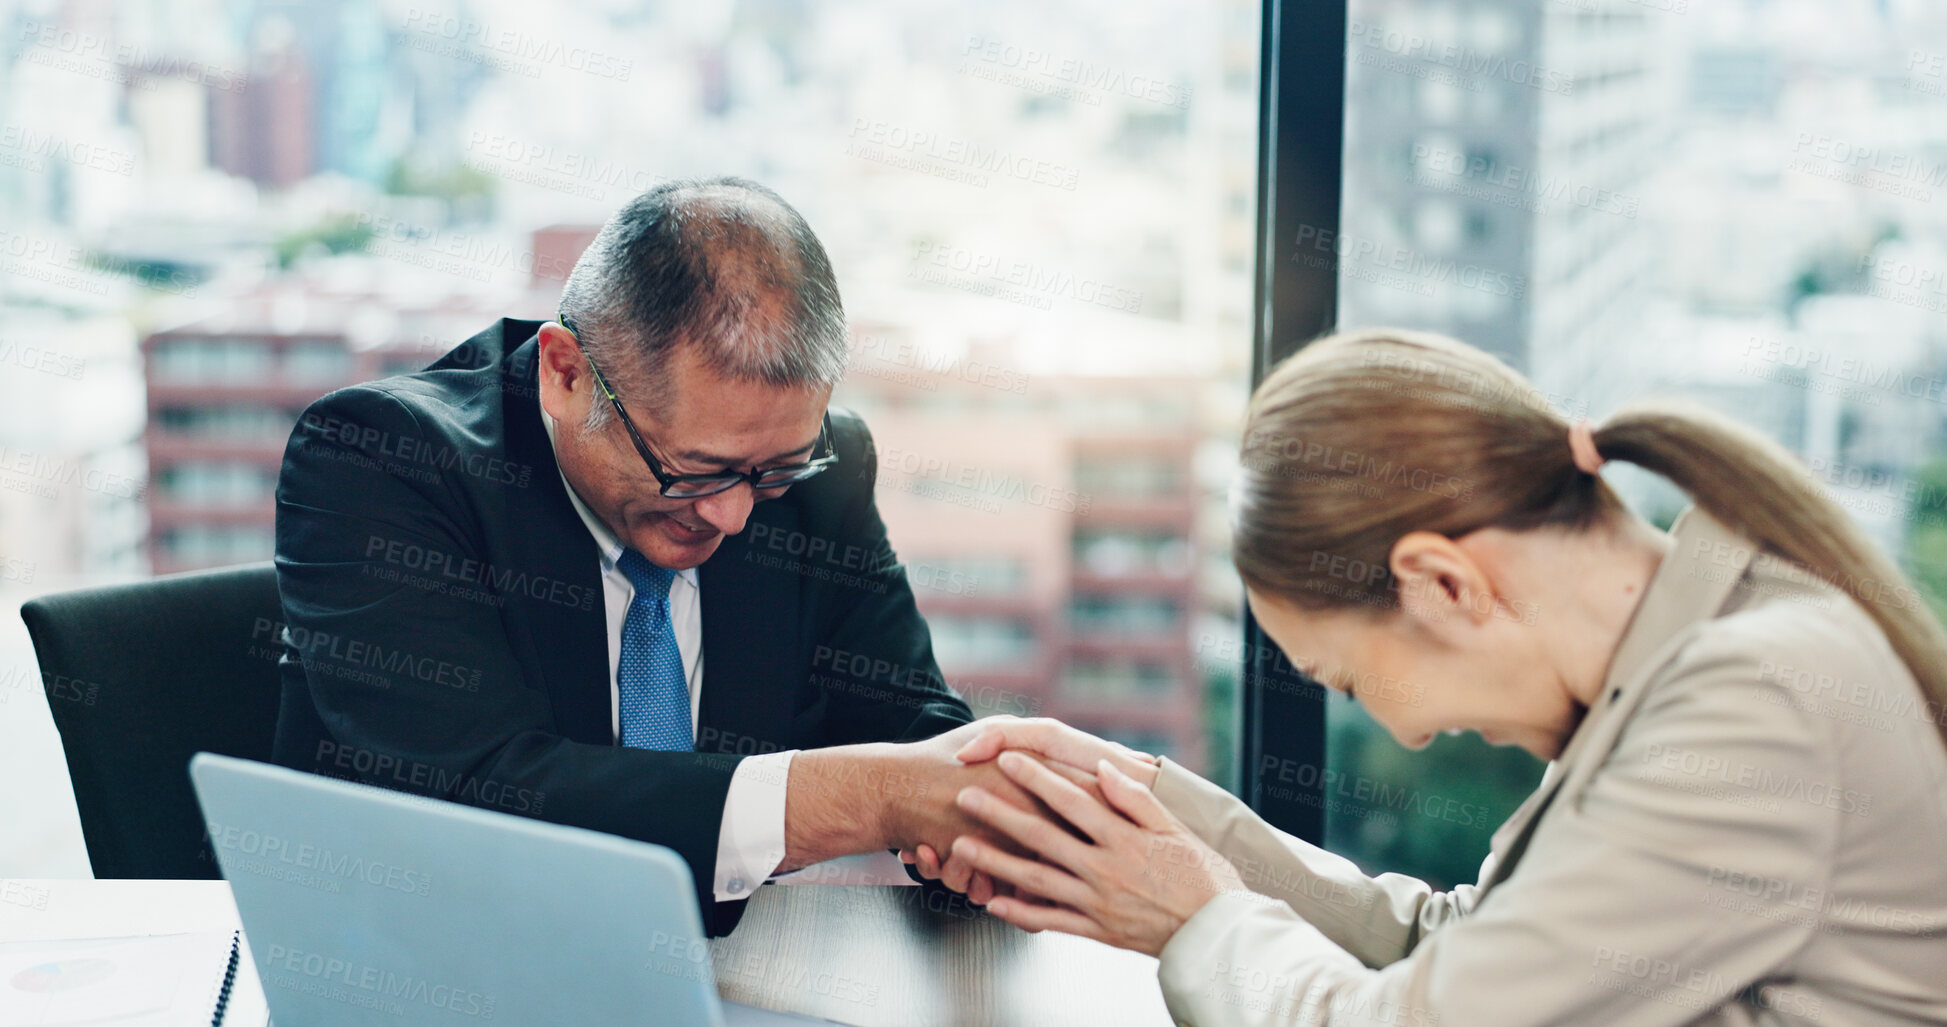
140	677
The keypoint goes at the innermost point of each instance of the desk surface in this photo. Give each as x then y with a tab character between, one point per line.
909	956
864	955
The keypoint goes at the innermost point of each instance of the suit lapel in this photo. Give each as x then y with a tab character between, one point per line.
550	550
1705	562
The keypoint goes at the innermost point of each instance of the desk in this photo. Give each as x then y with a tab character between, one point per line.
865	955
911	956
58	910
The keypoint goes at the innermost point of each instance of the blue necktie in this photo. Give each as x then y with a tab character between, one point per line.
655	699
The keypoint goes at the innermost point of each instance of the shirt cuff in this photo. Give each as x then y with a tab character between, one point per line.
750	844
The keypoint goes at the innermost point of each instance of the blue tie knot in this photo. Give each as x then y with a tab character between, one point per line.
648	579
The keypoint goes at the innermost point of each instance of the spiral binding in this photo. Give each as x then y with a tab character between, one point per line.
229	980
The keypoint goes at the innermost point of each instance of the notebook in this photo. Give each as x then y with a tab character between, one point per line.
164	980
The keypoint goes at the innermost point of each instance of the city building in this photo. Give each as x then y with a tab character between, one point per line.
224	394
1049	527
1495	160
264	128
224	391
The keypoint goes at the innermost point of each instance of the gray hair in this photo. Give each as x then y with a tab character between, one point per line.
720	264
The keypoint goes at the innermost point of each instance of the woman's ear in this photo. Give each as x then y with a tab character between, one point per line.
1440	585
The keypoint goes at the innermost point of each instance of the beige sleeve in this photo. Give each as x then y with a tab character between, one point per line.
1609	918
1376	919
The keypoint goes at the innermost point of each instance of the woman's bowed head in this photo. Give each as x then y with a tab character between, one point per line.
1500	596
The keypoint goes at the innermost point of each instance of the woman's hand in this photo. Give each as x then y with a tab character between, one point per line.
978	887
1059	743
1131	882
1078	751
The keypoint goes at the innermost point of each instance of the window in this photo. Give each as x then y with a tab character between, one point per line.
968	575
1142	741
981	643
1042	231
1654	205
1128	477
215	485
1038	360
213	546
190	360
1123	553
1126	616
317	363
1110	681
227	423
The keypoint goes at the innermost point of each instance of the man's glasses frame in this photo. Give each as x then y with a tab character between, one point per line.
697	486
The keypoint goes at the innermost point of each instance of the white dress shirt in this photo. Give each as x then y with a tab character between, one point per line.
750	844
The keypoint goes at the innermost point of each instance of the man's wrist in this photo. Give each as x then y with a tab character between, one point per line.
837	804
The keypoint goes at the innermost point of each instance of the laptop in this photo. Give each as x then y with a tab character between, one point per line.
368	906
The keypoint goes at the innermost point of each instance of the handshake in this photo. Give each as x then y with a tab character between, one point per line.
1047	826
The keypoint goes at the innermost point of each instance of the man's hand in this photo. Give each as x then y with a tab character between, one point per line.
858	798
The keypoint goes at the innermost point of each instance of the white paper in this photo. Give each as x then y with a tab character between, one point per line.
166	980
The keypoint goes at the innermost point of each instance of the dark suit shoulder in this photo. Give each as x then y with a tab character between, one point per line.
410	443
425	408
465	395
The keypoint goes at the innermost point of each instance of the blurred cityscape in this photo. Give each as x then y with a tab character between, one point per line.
1042	222
1042	217
1737	202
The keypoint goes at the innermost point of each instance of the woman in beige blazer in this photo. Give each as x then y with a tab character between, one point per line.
1745	819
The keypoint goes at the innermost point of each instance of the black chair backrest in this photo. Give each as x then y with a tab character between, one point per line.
139	678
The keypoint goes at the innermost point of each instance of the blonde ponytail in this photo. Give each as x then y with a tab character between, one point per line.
1362	437
1755	485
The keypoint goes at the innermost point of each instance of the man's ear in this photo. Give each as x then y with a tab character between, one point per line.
563	376
1440	585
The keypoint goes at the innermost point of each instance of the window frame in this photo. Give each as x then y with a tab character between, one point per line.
1301	150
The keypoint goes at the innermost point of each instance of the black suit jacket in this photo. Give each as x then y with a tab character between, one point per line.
445	630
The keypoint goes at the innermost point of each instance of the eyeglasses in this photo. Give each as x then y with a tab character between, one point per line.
696	486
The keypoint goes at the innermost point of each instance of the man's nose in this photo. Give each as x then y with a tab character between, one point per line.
728	510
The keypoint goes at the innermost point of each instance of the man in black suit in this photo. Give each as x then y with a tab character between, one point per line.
473	562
